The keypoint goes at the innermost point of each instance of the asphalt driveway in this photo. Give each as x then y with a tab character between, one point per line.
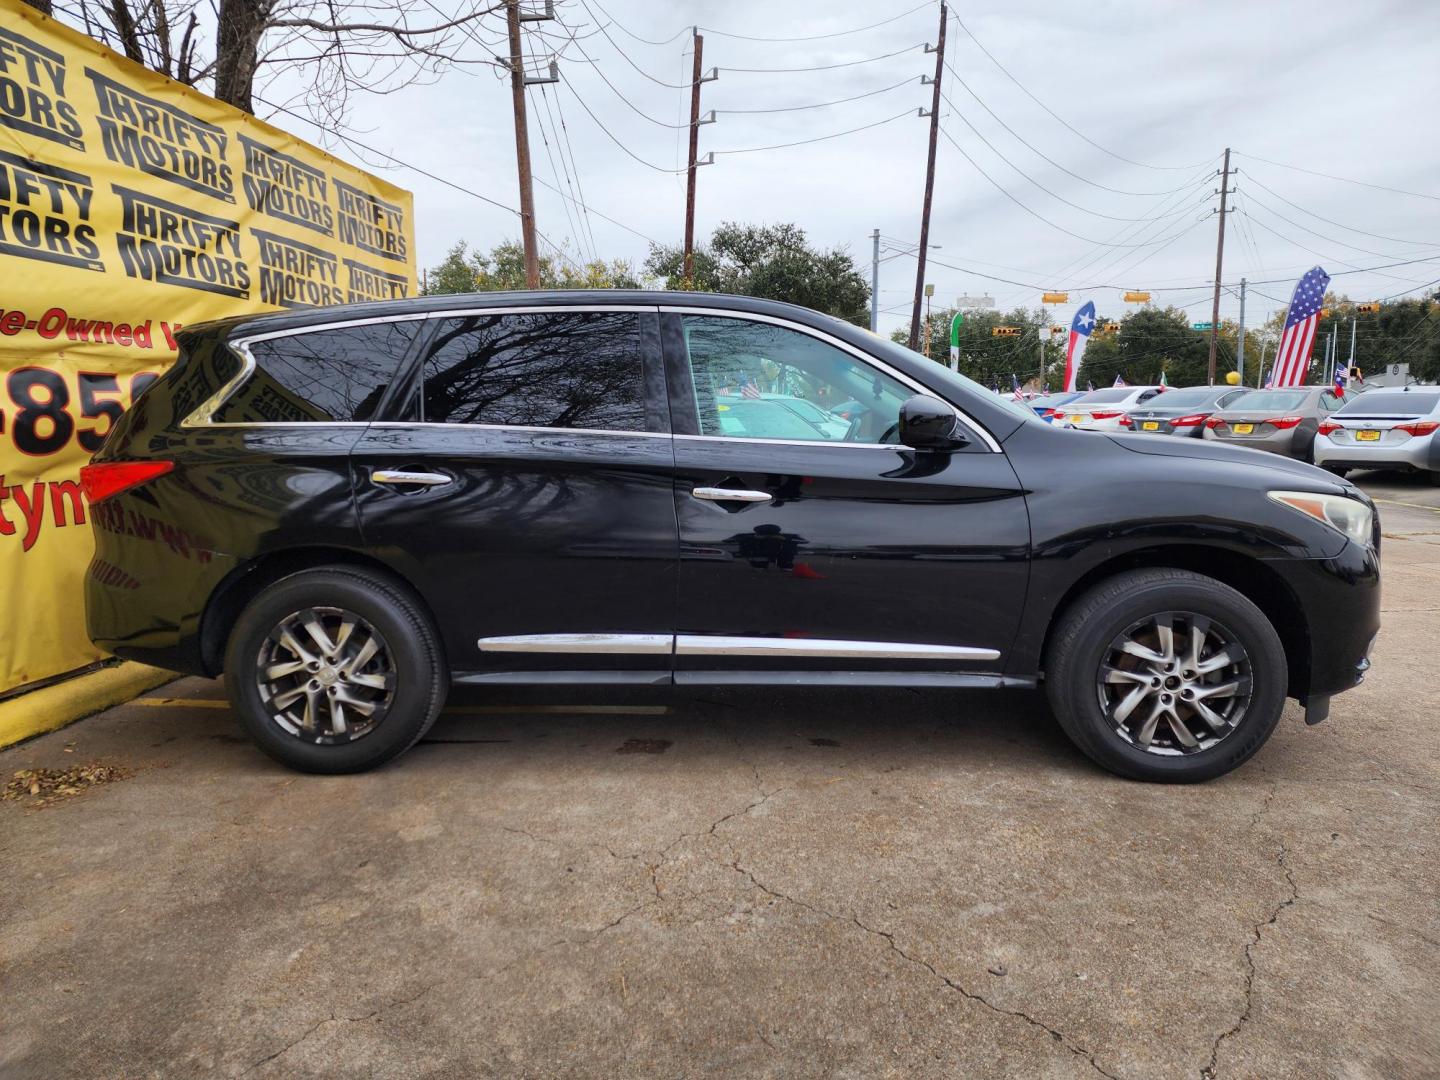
755	884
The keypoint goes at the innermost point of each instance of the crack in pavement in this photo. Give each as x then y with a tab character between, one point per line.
334	1019
1209	1072
970	995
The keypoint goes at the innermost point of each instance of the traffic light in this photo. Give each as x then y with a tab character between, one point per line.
1367	309
1004	331
1137	298
1110	327
1055	298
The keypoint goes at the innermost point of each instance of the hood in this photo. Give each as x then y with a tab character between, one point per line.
1240	455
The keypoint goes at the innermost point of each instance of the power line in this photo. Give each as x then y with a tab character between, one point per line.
630	153
631	33
818	138
569	215
606	79
1342	179
1318	254
820	104
1084	209
820	37
626	56
1041	154
1039	217
1250	197
823	67
1341	225
574	165
1070	127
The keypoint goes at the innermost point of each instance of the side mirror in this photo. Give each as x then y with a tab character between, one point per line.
927	423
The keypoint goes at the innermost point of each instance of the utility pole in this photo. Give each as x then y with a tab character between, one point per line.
1260	374
1351	364
875	282
1219	265
929	178
698	76
1240	344
518	81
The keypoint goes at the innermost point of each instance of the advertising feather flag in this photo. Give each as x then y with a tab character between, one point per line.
1292	360
1080	328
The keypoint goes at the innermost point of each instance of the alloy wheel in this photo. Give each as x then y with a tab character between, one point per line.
1174	683
326	675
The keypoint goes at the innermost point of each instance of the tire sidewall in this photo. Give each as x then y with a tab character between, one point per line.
1268	672
419	671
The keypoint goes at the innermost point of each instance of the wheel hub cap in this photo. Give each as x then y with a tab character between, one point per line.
1174	683
326	675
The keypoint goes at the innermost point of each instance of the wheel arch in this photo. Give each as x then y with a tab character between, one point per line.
1248	576
248	580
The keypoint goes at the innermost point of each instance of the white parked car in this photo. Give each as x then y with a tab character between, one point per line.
1102	410
1383	429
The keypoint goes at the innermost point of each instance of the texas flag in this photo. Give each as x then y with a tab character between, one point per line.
1079	337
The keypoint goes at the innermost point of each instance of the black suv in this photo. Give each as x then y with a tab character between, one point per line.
349	510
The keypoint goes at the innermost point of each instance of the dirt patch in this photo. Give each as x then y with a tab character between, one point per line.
644	746
44	786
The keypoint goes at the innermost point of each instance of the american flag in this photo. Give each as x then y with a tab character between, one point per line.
1015	391
1292	360
748	387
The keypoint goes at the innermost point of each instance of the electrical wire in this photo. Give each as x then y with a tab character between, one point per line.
626	56
1065	123
818	138
631	33
574	167
1342	179
1252	178
1039	217
818	104
822	67
1318	254
606	79
1250	198
549	155
820	37
630	153
1026	176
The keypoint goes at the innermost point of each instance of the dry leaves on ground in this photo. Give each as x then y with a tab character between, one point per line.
45	786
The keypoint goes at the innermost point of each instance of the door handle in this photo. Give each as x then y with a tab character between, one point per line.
403	478
713	494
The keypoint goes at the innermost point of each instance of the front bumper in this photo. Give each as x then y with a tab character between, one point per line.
1339	608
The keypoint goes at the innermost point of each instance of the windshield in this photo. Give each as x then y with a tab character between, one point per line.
1392	402
1269	399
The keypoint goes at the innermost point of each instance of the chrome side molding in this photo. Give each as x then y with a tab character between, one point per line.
718	645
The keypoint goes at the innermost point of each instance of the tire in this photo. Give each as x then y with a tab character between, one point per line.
400	675
1130	607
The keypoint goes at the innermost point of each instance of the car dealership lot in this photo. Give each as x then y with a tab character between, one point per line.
757	883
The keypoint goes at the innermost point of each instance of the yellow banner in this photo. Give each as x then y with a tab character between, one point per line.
129	207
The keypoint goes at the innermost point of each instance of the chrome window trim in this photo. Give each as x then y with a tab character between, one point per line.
202	416
722	645
628	644
844	346
516	427
795	442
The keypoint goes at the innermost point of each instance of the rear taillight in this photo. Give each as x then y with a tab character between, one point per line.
1105	415
1189	421
1125	421
1214	422
1283	422
1328	426
1420	427
109	478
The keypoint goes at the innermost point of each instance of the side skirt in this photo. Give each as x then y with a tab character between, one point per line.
959	680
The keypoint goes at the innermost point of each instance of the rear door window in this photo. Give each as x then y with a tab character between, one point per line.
320	376
562	369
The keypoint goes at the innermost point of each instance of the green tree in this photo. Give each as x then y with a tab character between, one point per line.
463	270
776	262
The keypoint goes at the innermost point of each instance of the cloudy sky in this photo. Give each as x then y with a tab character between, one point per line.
1340	88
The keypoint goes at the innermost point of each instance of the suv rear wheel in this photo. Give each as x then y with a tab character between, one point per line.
1166	675
335	670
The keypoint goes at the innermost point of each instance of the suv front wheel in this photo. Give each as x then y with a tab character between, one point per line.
1166	675
335	670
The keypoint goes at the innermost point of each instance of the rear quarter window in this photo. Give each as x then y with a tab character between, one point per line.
320	376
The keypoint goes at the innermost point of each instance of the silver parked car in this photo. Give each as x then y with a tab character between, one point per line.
1182	411
1383	429
1283	421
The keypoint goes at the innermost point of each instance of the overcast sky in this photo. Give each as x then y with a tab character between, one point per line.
1342	88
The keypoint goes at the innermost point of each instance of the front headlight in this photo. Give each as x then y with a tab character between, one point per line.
1350	516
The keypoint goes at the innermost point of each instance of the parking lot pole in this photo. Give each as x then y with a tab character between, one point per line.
875	282
1240	344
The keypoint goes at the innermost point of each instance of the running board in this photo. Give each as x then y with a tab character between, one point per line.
957	680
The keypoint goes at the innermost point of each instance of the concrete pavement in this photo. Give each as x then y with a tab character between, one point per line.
759	884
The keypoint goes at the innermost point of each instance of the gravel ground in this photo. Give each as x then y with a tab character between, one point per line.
758	884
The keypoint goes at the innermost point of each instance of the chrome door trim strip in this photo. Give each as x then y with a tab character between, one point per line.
627	644
201	416
719	645
893	447
844	346
517	427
